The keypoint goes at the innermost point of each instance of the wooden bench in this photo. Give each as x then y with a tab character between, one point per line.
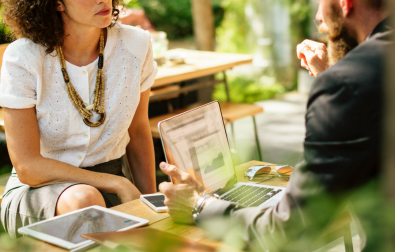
164	93
155	120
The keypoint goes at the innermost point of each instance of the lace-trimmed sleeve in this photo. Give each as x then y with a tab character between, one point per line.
18	86
149	69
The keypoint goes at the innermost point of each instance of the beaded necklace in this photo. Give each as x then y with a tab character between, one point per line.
97	106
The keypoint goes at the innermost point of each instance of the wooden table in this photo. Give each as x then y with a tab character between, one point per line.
162	221
197	64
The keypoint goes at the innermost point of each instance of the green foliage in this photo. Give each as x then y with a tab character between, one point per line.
236	33
132	4
248	89
232	33
9	244
5	33
5	169
5	162
300	15
175	17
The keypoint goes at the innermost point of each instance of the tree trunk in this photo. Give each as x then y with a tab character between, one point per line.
203	23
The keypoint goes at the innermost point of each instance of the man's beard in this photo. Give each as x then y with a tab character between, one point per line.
341	38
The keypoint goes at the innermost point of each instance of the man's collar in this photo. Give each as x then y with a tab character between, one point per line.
383	26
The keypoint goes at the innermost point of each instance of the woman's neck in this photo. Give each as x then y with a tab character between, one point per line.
80	45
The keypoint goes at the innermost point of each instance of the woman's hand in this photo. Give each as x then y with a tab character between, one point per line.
125	190
313	56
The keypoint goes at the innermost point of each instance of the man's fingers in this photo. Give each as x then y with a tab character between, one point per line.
299	50
175	172
310	56
165	187
314	46
171	170
309	42
305	54
304	64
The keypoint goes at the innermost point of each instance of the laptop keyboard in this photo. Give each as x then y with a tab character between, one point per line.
246	195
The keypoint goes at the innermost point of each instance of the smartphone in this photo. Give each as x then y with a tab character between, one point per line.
156	201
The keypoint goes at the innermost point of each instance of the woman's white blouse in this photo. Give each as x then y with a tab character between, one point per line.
32	78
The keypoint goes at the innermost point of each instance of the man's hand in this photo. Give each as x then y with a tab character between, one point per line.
313	56
181	197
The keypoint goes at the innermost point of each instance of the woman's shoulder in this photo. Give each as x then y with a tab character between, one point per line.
129	31
134	39
24	50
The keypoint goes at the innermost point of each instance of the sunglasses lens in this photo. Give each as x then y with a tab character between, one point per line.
285	170
263	171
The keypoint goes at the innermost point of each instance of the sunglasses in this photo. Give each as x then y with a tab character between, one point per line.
263	171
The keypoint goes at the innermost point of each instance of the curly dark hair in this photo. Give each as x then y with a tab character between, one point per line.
39	21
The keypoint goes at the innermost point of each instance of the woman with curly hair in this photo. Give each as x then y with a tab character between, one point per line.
75	89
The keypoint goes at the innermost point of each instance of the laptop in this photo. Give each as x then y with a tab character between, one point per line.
196	142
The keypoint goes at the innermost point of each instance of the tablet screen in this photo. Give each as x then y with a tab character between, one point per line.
91	220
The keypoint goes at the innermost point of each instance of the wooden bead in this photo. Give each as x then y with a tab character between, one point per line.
100	65
65	75
99	89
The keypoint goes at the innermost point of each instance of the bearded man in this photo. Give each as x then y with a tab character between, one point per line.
342	144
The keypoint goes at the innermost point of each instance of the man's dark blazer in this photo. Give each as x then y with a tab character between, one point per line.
341	155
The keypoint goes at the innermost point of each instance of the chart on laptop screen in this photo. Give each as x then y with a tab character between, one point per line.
196	143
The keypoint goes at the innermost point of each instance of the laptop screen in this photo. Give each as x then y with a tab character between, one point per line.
196	142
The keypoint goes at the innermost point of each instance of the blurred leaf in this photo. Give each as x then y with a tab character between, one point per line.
173	17
132	4
247	90
5	33
231	34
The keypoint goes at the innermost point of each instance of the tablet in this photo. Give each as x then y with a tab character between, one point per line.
65	230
